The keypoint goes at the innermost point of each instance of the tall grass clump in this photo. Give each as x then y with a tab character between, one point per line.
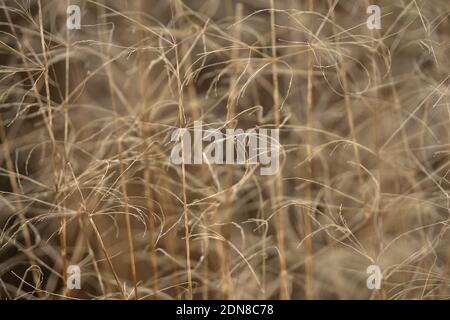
86	122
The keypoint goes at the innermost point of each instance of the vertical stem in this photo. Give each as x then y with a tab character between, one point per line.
182	123
145	133
279	179
63	241
122	174
48	98
309	267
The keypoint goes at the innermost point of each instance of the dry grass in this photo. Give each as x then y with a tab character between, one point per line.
85	172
